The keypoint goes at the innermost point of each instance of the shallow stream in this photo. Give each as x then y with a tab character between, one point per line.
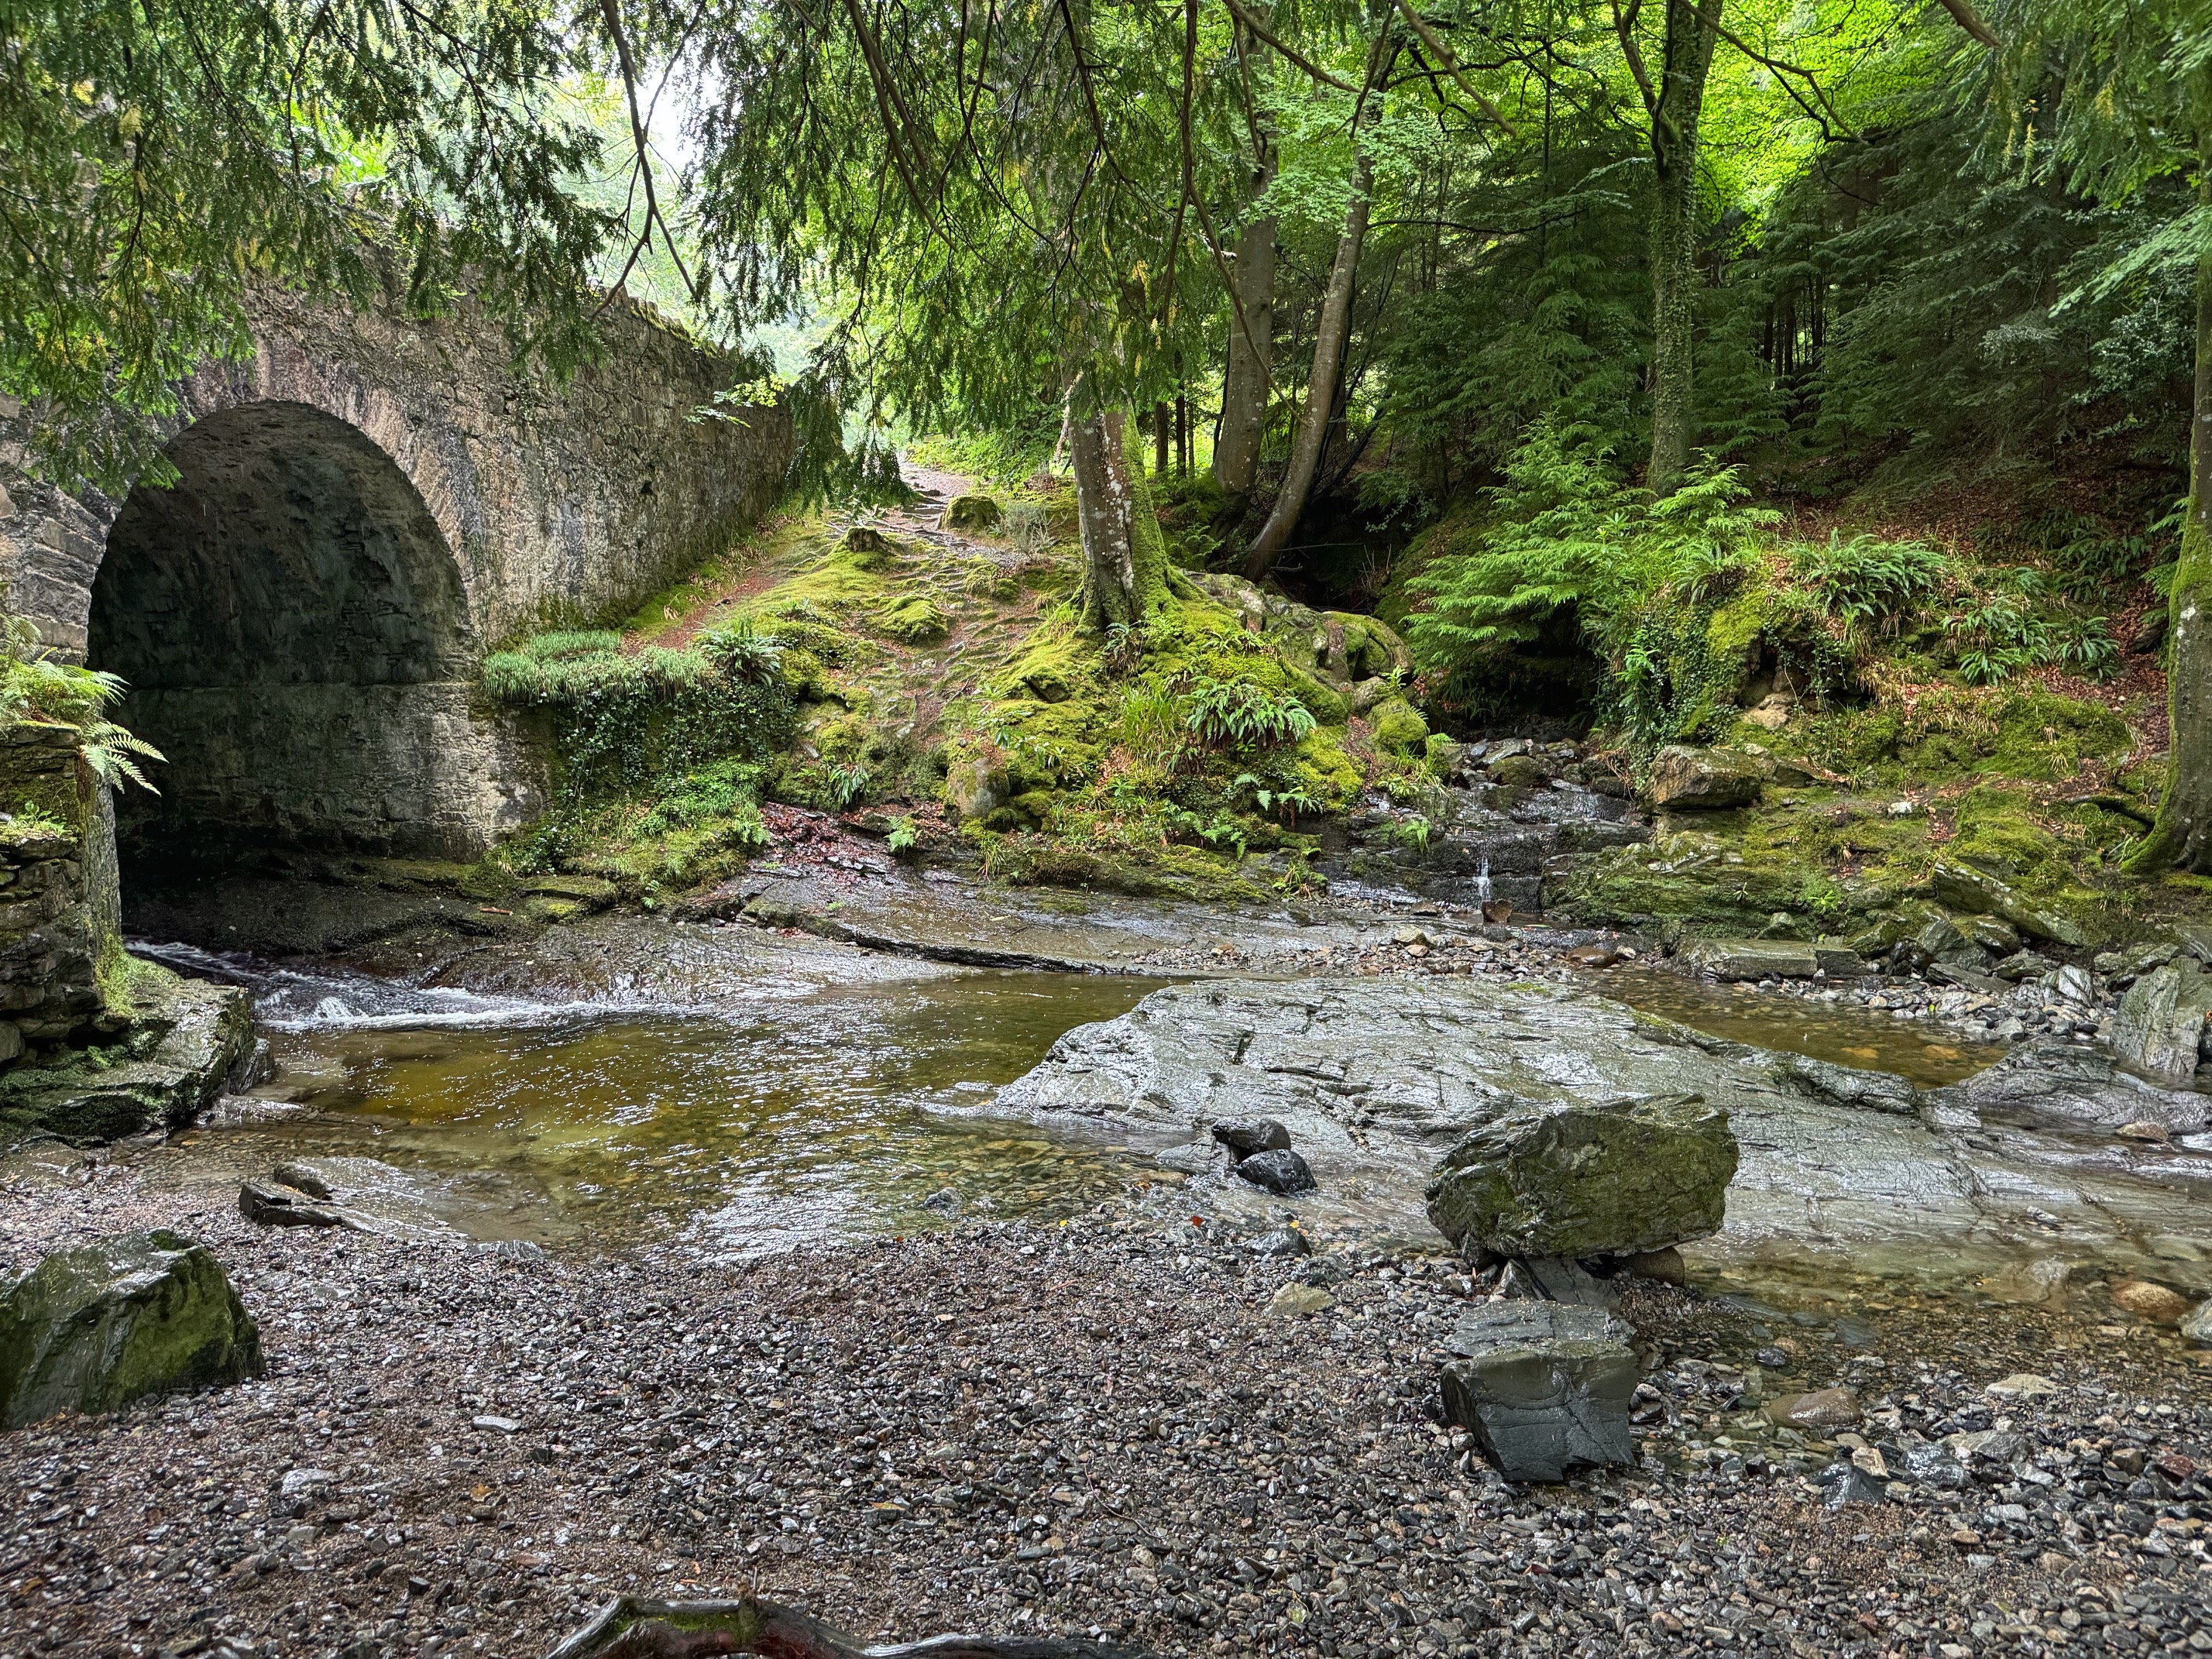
809	1109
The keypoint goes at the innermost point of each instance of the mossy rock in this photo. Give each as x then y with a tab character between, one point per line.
1399	727
972	512
916	619
93	1328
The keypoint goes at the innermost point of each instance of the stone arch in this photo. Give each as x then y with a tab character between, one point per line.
292	618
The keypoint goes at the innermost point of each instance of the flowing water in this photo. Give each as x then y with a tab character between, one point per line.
851	1109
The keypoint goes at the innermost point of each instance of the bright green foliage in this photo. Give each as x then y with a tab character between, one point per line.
625	723
1238	714
1870	584
158	160
34	685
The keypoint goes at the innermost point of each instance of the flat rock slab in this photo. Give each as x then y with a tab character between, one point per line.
95	1327
1543	1387
1375	1079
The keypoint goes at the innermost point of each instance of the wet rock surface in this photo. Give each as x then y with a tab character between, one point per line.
93	1326
1575	1181
1091	1432
1377	1078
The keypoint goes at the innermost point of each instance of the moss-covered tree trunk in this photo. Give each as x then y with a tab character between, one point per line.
1124	563
1676	102
2183	834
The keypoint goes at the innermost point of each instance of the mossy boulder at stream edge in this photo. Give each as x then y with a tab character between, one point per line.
93	1328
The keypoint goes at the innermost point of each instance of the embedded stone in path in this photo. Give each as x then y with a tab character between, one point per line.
1542	1386
1580	1182
95	1327
634	1627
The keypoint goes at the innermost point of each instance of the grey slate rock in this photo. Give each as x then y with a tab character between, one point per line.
1281	1172
2064	1085
2159	1026
1543	1387
1244	1136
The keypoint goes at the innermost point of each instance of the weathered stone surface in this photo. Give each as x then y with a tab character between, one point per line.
1845	1086
273	1204
1374	1078
57	901
366	500
1751	958
185	1040
93	1328
1244	1136
2198	1327
1543	1387
1615	1179
634	1627
1280	1171
2064	1085
1683	778
2160	1027
1957	888
1821	1412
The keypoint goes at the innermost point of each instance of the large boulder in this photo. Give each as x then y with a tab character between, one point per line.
1683	778
2062	1086
1584	1180
1543	1387
93	1328
2159	1026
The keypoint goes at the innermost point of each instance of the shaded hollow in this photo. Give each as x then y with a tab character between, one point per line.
291	621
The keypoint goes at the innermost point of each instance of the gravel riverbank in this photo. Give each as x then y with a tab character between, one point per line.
1097	1427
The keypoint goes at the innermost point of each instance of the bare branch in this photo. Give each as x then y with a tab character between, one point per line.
1444	55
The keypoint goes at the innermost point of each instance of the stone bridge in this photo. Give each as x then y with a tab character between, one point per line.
366	507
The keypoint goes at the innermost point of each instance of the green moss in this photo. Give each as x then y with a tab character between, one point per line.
1399	729
913	619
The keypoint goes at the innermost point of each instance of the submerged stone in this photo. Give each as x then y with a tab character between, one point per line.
93	1328
1244	1136
1543	1387
1584	1180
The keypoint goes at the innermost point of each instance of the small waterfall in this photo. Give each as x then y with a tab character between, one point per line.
1482	881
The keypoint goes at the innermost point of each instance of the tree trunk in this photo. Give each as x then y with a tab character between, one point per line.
1245	382
1692	32
2183	834
1121	566
1159	440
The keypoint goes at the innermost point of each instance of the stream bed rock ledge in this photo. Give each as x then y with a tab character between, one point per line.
1543	1387
93	1328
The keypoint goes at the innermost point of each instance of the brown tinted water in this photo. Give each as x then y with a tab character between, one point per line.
1847	1033
835	1114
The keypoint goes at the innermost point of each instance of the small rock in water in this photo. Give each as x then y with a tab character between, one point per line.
944	1201
2155	1302
1243	1136
1281	1172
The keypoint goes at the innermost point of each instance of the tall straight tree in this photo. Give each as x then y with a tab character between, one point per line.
2126	91
1674	92
1248	369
